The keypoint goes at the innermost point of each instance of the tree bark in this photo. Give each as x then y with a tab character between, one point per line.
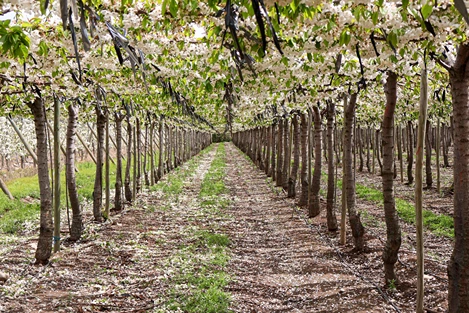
393	231
280	147
296	158
127	189
314	204
458	268
118	193
354	218
304	161
410	153
428	155
98	182
287	154
44	245
331	218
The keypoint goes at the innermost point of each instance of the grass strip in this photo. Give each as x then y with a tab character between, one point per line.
439	224
200	280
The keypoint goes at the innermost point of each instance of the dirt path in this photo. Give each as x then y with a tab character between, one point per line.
123	265
150	257
279	263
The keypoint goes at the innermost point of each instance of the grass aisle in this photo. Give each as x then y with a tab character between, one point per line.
168	253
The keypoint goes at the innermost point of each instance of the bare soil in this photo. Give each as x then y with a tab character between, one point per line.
280	260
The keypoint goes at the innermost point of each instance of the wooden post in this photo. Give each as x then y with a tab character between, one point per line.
343	215
23	140
437	148
56	174
86	147
106	169
5	190
418	188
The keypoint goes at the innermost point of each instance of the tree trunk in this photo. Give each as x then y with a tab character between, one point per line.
280	147
393	231
378	149
98	182
107	173
56	193
138	141
314	204
127	189
296	158
44	245
268	150
418	189
331	218
428	155
161	150
458	268
360	148
367	136
410	153
399	153
118	193
273	157
287	154
304	161
354	218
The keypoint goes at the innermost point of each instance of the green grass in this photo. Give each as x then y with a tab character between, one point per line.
439	224
201	278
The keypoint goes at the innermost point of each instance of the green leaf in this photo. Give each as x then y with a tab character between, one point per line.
427	10
173	8
164	7
208	87
374	17
310	56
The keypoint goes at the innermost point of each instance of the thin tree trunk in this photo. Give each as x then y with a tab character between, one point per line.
56	194
410	153
304	161
138	141
127	189
418	189
296	158
393	230
354	218
161	151
437	150
268	151
360	148
118	193
331	218
399	153
273	156
314	204
287	154
367	136
428	155
152	154
98	183
378	149
44	247
280	147
107	183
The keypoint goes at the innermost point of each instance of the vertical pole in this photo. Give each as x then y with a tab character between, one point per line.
56	174
343	214
106	169
438	139
418	188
